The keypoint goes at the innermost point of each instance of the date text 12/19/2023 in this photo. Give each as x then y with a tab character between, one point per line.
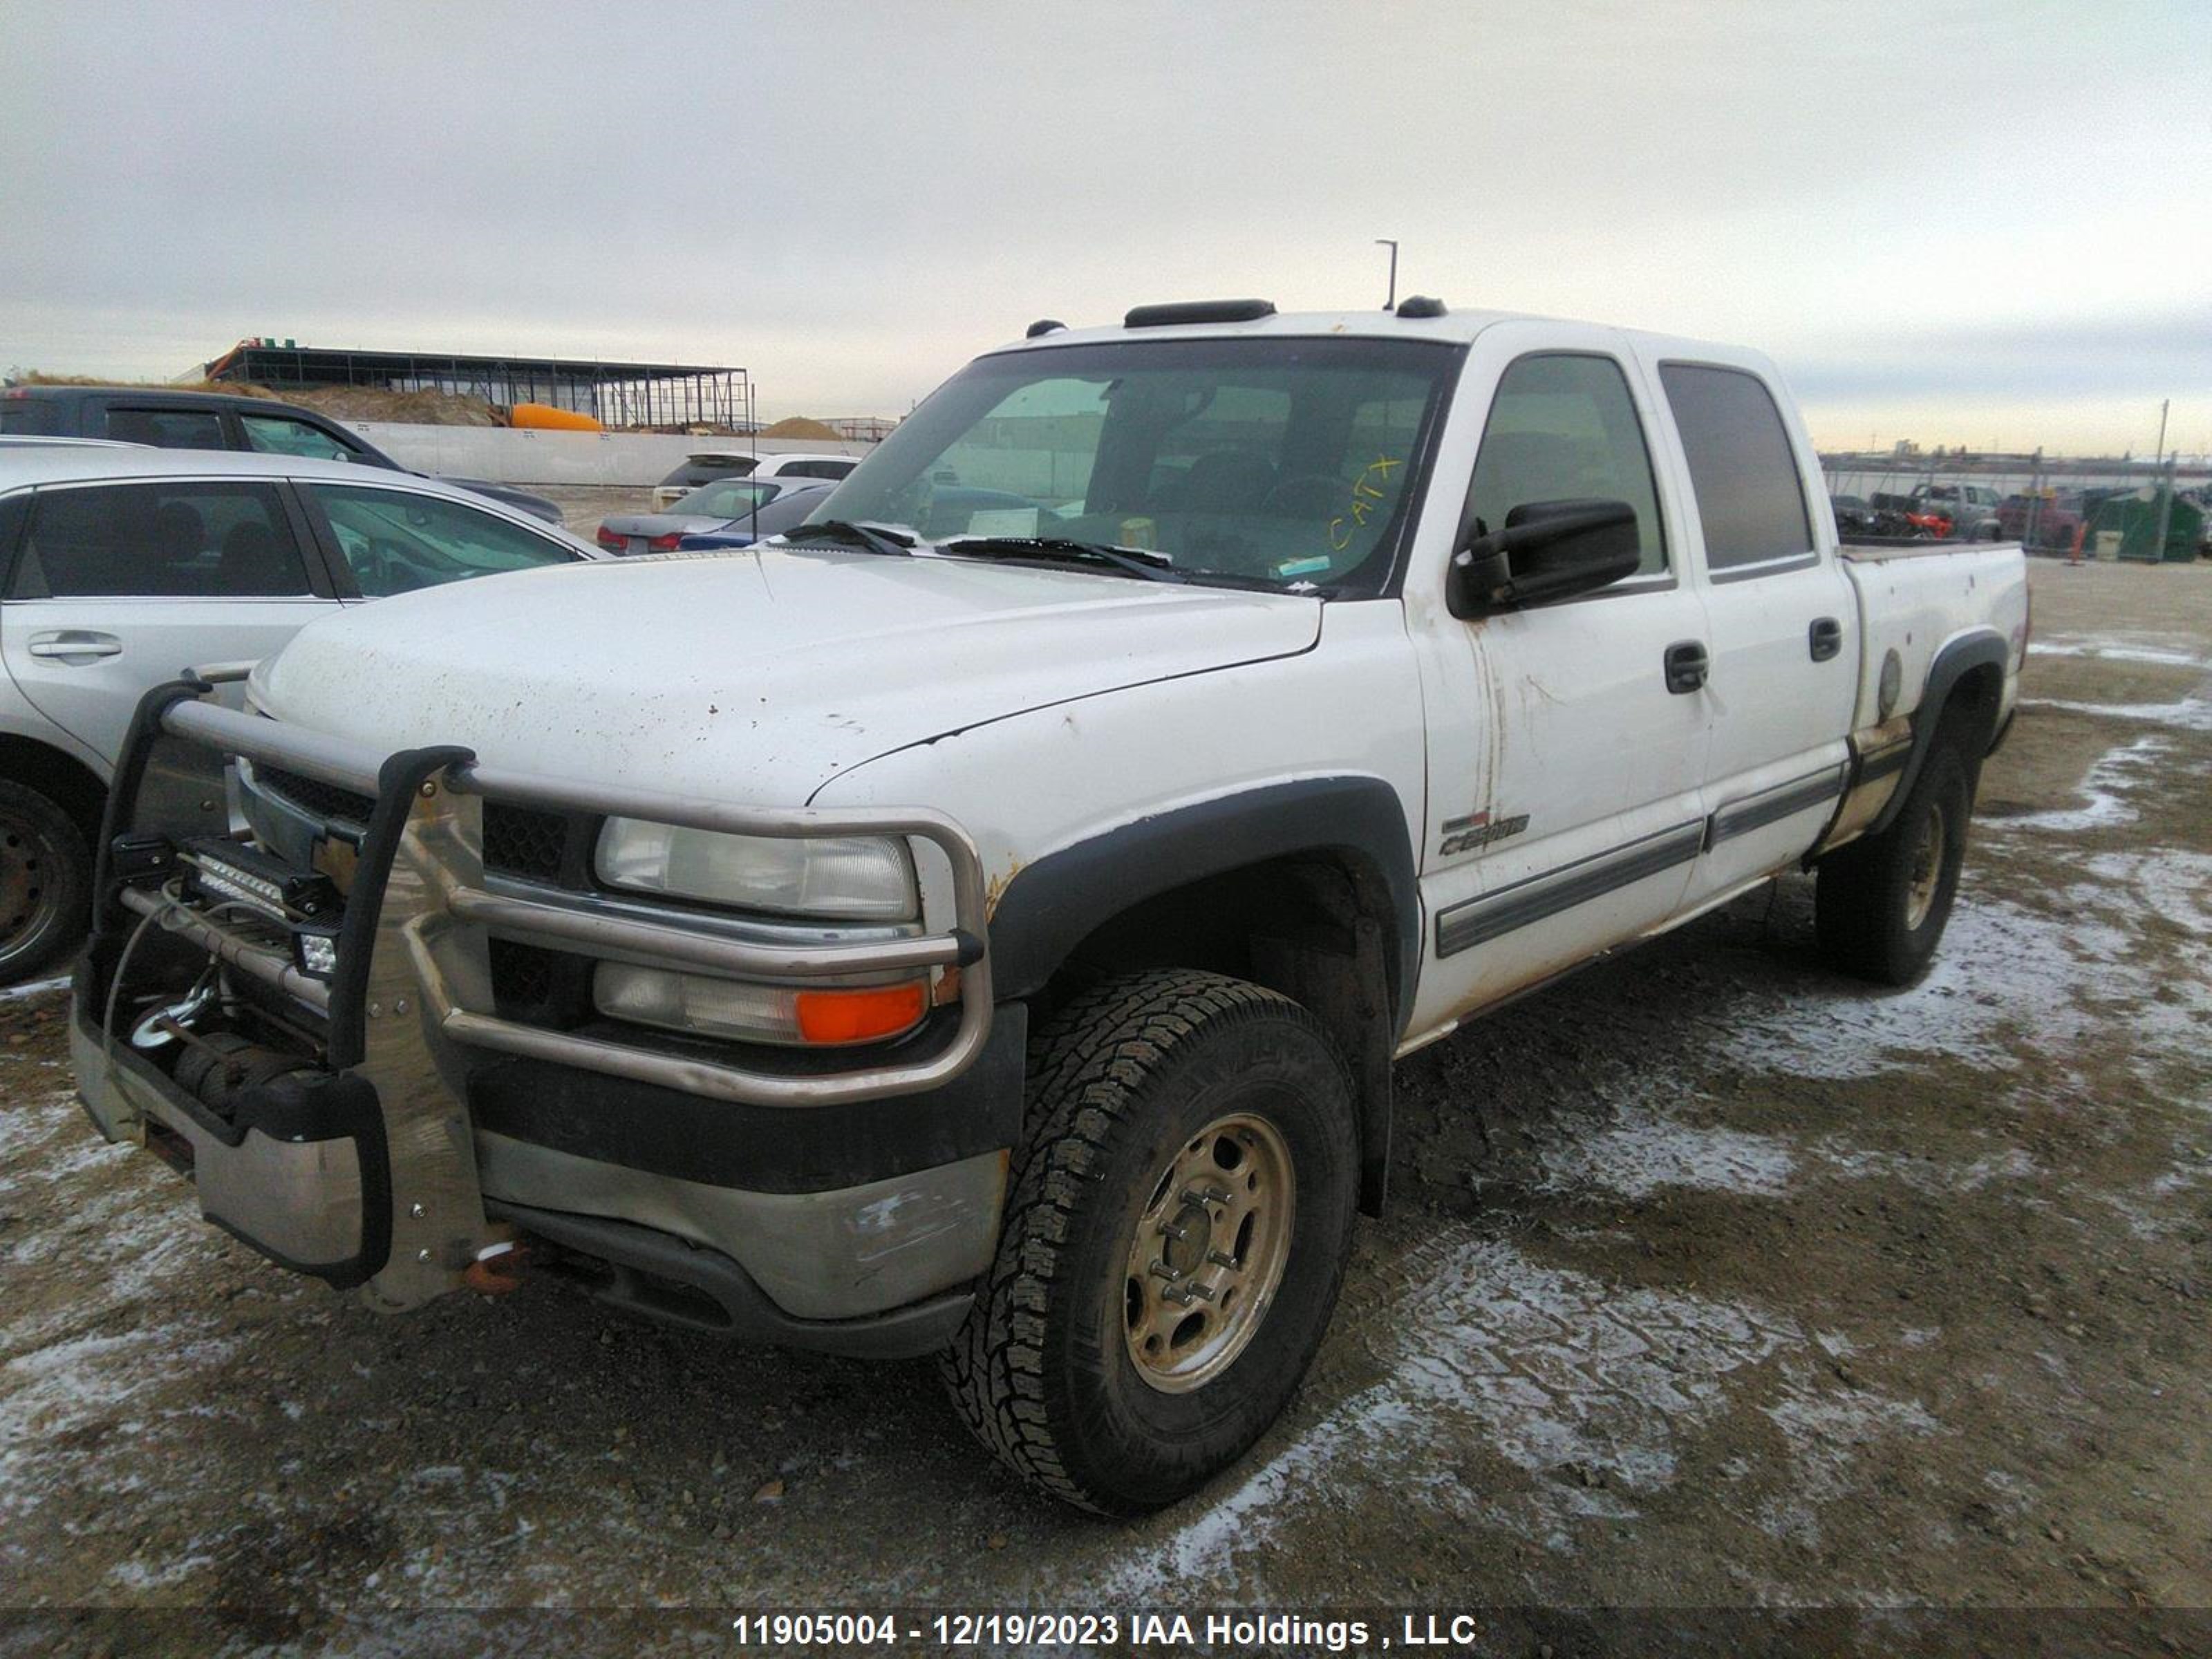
1077	1631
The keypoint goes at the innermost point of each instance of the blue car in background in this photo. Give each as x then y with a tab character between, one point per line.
728	513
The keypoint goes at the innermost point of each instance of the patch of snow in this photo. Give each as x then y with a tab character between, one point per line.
2172	884
2114	651
2115	776
1644	1153
37	988
1590	1387
2000	968
1927	1174
137	1576
2189	715
1824	1433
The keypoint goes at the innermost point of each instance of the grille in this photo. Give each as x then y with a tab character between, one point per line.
324	799
538	987
522	841
522	976
519	841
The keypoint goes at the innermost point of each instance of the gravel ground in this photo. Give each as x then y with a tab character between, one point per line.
1712	1279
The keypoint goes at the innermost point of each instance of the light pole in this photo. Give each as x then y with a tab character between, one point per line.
1390	304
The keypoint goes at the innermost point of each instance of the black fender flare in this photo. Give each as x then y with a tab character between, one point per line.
1983	647
1051	906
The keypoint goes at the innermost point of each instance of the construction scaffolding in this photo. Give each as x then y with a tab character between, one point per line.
637	396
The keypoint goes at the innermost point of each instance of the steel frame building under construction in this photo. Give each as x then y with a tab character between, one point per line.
662	397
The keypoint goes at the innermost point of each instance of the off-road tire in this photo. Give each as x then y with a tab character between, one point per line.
1864	897
45	882
1118	1080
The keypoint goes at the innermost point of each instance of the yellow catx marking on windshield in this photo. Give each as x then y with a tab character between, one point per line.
1368	490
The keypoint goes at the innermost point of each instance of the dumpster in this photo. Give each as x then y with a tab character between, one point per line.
2127	525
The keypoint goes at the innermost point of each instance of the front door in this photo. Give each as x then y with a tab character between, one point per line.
1565	776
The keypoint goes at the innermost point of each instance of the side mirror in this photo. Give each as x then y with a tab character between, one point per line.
1547	551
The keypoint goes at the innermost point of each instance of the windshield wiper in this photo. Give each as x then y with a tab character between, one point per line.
846	533
1061	549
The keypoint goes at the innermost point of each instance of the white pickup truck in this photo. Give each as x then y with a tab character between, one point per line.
983	921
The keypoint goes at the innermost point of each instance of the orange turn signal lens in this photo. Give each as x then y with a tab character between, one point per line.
880	1011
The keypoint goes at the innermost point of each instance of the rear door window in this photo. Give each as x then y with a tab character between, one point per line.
1750	498
30	417
160	541
395	541
168	428
282	435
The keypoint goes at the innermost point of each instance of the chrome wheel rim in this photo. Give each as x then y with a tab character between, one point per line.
29	889
1208	1252
1927	870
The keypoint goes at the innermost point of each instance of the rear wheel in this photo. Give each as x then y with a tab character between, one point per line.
45	882
1176	1228
1880	904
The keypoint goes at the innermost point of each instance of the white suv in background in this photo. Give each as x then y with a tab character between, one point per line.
120	566
708	466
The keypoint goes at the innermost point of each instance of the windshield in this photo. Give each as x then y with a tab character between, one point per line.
1290	462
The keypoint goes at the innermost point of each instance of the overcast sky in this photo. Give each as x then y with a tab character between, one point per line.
1955	221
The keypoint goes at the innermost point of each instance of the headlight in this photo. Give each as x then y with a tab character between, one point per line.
849	877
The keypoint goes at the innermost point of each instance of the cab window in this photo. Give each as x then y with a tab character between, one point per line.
1562	427
278	434
1750	501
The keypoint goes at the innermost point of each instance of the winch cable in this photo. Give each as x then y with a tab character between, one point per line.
109	1076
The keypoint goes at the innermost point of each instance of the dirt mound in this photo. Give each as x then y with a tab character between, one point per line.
799	426
343	402
424	408
33	377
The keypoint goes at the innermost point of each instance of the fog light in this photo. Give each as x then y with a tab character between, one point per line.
316	952
757	1013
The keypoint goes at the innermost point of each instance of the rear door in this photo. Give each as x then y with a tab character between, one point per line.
1784	646
118	586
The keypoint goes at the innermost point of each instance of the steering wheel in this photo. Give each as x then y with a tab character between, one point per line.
1316	493
390	568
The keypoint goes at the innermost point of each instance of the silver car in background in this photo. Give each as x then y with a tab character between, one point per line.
121	566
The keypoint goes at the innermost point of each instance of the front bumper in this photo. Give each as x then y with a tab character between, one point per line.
367	1164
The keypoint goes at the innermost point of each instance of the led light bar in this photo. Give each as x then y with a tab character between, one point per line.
230	872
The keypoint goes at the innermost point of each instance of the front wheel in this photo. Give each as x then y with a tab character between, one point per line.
1177	1223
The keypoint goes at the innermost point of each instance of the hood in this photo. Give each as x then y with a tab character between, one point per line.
751	677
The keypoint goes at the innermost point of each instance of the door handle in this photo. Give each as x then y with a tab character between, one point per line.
75	645
1687	664
1824	637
